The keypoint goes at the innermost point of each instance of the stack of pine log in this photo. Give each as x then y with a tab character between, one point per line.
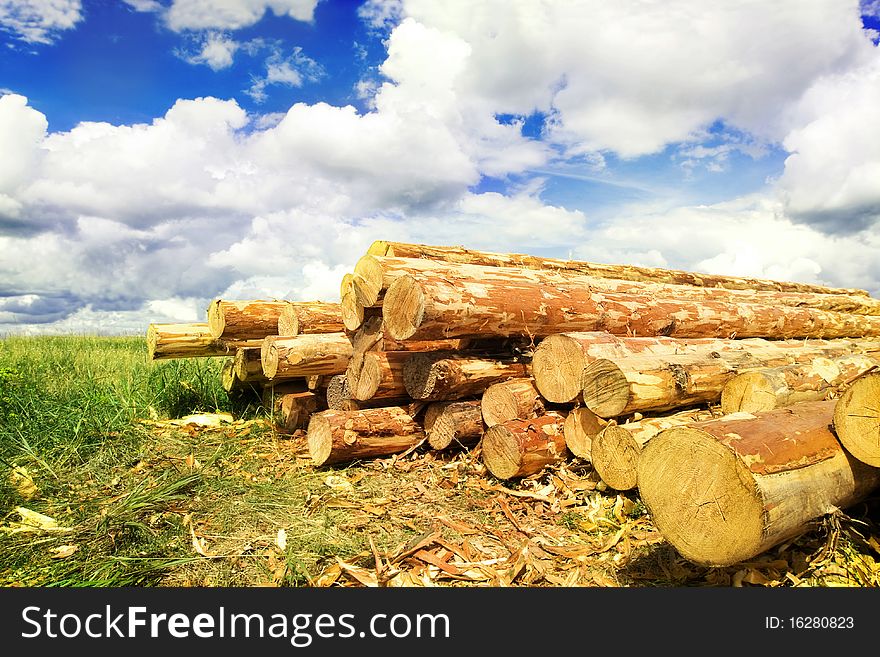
741	408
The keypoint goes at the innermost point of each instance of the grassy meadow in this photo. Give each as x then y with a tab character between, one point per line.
99	486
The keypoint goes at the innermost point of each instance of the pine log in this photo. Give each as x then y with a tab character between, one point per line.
309	317
352	311
305	355
657	383
372	336
580	430
559	360
188	341
458	421
726	490
615	449
248	366
766	389
461	255
273	393
339	436
509	400
857	418
519	448
298	407
377	375
228	380
444	375
244	320
502	301
339	397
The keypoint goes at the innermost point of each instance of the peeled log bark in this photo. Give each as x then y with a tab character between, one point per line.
309	317
188	341
504	302
339	436
305	355
377	374
519	448
764	390
375	274
857	418
559	360
446	376
657	383
448	422
580	430
248	366
244	320
724	491
615	450
298	407
509	400
461	255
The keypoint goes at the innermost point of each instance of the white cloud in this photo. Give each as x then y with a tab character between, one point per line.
381	14
39	21
832	177
22	129
291	71
233	14
216	50
145	6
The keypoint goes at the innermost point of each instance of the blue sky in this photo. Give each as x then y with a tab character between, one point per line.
163	153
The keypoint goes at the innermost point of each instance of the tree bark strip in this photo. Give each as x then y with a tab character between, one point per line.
726	490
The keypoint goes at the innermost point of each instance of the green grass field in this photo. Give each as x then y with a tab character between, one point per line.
128	497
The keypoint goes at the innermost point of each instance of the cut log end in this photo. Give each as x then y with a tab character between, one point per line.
352	312
269	358
152	341
605	388
216	319
749	392
320	439
403	308
288	322
857	419
458	422
365	382
501	452
709	509
615	457
419	376
557	366
367	280
580	429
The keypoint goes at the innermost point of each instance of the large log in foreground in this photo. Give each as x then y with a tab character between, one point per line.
446	375
724	491
461	255
519	448
339	436
244	320
857	418
309	317
766	389
305	355
615	450
505	302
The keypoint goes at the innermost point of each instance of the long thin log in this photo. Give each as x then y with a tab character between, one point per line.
448	375
519	448
615	449
189	341
502	301
340	436
509	400
298	407
457	422
305	355
244	320
461	255
764	390
857	418
580	430
657	383
309	317
724	491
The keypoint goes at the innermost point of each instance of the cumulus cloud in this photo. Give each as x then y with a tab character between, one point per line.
39	21
215	50
232	14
